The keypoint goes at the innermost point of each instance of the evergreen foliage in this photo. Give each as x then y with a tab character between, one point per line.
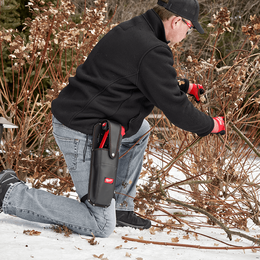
13	14
9	16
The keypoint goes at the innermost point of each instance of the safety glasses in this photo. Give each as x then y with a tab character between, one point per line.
189	25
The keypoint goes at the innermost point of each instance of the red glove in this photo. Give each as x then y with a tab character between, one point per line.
219	127
196	91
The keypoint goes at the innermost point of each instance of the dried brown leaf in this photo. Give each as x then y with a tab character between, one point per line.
196	236
152	231
175	239
186	237
100	257
92	241
31	232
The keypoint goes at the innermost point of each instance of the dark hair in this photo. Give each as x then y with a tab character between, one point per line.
162	12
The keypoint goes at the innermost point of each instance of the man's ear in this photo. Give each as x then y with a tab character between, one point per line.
175	21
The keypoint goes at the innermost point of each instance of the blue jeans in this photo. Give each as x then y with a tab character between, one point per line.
83	218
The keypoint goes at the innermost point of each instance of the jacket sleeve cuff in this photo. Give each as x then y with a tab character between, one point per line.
209	130
183	85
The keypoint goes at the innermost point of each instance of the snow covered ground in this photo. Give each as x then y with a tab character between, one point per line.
16	243
48	245
44	243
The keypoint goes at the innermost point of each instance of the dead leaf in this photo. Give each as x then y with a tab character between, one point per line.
127	254
175	239
139	258
215	244
152	231
92	240
101	256
202	99
78	248
141	238
181	82
62	229
186	237
196	236
142	211
118	247
31	232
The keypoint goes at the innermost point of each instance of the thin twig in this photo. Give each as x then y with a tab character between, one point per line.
215	220
187	245
180	154
244	138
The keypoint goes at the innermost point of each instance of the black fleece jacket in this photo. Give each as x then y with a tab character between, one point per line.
127	73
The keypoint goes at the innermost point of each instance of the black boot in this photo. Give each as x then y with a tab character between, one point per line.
129	219
7	178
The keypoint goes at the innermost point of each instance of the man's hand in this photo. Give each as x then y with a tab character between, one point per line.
219	125
196	91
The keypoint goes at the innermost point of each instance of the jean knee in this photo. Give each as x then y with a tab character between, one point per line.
102	221
87	230
108	230
110	220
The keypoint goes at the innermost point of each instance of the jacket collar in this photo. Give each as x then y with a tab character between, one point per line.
156	24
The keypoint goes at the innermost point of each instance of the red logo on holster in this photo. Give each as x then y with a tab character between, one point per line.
109	180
